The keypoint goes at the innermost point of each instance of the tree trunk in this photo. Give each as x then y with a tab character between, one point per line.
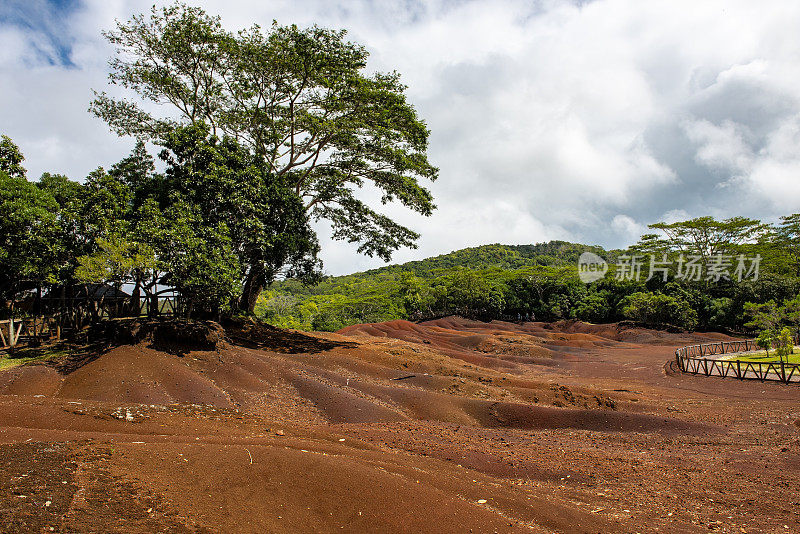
152	302
134	304
253	285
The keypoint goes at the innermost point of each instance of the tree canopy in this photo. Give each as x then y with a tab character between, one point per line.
11	158
28	231
216	225
300	100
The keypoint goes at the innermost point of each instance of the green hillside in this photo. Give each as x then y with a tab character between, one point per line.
552	253
484	281
514	282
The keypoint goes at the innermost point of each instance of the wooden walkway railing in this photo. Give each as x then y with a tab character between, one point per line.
21	331
695	359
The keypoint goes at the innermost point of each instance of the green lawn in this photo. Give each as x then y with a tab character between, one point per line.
761	357
30	355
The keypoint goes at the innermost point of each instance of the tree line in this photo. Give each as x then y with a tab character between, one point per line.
542	281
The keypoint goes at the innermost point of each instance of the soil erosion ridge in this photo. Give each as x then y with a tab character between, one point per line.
441	426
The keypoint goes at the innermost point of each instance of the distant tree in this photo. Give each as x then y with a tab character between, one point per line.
785	241
653	244
417	299
784	344
790	311
271	304
657	308
298	99
594	308
707	237
765	316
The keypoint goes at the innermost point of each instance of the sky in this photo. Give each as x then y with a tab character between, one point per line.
577	120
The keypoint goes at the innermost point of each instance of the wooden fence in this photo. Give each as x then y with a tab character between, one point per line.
695	359
77	315
25	330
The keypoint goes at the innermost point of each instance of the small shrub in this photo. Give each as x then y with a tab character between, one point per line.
784	344
765	339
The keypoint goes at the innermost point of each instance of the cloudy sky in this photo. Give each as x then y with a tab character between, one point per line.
577	120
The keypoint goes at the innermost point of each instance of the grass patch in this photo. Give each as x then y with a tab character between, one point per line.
26	355
761	357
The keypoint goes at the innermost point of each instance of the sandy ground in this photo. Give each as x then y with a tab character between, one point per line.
445	426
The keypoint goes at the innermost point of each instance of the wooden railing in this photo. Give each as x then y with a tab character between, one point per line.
24	330
695	359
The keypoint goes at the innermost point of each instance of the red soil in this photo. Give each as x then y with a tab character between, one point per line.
446	426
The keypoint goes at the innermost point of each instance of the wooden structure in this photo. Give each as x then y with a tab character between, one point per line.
66	310
700	360
28	330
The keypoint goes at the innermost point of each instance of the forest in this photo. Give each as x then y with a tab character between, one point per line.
541	281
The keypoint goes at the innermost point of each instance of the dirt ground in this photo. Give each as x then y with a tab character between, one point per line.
445	426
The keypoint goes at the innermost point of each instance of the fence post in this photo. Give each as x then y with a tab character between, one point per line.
11	340
739	369
783	371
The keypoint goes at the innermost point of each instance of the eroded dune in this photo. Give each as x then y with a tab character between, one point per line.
443	426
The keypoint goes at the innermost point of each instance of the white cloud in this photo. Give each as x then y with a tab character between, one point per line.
549	120
723	147
628	227
673	216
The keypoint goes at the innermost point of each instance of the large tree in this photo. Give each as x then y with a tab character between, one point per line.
299	99
232	192
707	237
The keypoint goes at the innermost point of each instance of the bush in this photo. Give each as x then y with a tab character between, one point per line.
784	344
657	309
594	308
765	339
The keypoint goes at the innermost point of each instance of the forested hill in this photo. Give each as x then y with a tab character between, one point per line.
552	253
481	278
541	281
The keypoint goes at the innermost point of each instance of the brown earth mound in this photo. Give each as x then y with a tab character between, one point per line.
443	426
